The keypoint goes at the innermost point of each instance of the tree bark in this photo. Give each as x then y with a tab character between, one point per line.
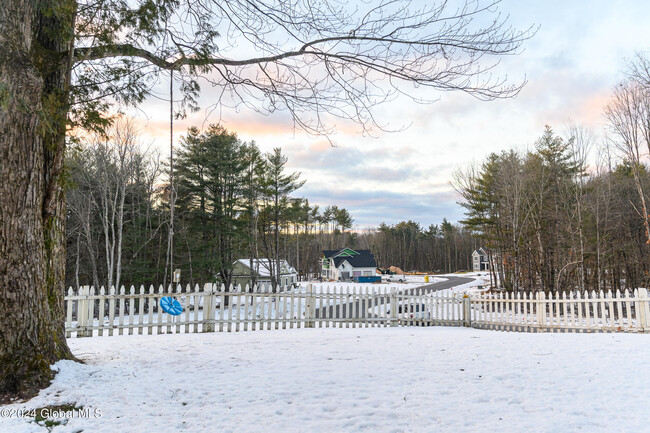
32	238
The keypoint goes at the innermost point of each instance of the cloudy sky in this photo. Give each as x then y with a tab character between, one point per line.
570	66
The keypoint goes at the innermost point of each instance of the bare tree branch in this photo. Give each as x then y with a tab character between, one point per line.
318	59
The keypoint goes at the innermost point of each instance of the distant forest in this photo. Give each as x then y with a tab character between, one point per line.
231	201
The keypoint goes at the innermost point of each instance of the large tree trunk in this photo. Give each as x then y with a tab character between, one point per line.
32	238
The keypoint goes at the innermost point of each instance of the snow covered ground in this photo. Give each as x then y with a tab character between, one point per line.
353	380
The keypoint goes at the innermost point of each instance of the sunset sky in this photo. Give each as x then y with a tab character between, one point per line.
571	65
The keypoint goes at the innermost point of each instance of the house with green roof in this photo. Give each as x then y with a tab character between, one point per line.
346	264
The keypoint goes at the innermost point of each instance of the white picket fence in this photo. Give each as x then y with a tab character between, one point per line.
213	309
628	311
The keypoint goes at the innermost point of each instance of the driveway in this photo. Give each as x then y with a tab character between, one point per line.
360	310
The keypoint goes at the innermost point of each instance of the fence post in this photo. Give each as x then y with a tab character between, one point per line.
208	308
82	312
393	307
310	307
467	311
642	313
540	309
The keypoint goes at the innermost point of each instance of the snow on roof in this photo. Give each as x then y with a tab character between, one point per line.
263	266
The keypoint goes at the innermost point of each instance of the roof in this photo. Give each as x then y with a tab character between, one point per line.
345	252
263	266
481	251
365	260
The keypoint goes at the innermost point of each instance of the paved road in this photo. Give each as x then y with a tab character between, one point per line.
360	310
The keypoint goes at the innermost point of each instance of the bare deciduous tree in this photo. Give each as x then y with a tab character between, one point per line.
581	141
102	173
628	115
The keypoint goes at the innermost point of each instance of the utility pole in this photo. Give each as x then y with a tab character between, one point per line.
172	195
172	198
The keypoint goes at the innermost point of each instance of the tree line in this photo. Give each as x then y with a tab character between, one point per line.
439	248
552	221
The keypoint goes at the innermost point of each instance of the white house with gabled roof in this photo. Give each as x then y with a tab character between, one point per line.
480	260
346	264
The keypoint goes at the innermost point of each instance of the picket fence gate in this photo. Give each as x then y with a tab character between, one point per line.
91	312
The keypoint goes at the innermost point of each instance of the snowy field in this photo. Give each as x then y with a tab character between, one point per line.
353	380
